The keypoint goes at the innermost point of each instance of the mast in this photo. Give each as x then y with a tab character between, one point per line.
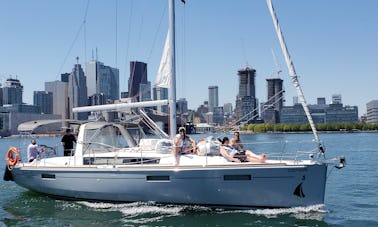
292	73
172	90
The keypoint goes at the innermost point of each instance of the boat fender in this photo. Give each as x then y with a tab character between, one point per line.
12	156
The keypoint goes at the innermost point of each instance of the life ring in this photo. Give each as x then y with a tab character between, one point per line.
12	156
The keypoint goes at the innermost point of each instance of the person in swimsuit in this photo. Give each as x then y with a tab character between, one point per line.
184	144
234	155
236	142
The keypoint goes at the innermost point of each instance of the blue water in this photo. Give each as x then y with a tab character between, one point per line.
351	195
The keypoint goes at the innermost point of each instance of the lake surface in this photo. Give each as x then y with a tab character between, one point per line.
351	194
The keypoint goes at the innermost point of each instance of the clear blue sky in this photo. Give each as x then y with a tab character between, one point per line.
334	44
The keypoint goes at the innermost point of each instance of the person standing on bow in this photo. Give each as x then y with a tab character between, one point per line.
184	144
67	141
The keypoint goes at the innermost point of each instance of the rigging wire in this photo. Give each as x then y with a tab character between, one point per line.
116	33
128	44
149	55
82	26
274	97
183	52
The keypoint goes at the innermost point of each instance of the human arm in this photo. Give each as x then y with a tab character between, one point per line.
176	143
225	154
237	144
194	144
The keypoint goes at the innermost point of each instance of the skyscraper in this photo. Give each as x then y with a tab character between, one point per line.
145	91
60	97
12	91
273	106
138	75
246	102
102	80
77	92
43	99
1	96
213	98
161	93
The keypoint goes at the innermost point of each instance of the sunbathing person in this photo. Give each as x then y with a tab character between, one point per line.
233	155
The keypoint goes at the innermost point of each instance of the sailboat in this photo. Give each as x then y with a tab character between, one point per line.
114	162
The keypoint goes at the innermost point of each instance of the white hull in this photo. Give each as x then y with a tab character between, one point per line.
259	185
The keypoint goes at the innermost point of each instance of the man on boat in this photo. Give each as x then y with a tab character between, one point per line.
67	141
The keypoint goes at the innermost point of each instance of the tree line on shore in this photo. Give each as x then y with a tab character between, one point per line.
345	126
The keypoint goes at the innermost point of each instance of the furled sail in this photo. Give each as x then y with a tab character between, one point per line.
163	77
292	73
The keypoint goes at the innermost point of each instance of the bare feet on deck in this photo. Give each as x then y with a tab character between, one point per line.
262	158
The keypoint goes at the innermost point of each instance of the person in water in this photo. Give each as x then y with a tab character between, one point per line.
234	155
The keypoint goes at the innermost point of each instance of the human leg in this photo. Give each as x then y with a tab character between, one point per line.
252	157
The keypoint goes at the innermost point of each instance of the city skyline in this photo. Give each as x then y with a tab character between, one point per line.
334	53
335	98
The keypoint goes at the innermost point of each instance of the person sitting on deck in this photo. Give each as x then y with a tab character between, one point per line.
233	155
184	144
236	142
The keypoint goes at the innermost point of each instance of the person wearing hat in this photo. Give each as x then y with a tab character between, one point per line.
184	144
67	141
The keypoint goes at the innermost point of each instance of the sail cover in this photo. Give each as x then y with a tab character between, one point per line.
163	77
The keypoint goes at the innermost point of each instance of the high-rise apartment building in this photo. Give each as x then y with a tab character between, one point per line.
246	101
372	111
12	92
213	98
102	81
272	107
138	75
44	100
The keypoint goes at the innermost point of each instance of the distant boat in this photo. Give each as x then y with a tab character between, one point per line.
117	162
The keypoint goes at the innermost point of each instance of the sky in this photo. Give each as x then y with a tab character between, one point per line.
333	44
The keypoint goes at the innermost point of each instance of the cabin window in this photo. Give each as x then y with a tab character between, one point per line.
105	139
157	178
237	177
